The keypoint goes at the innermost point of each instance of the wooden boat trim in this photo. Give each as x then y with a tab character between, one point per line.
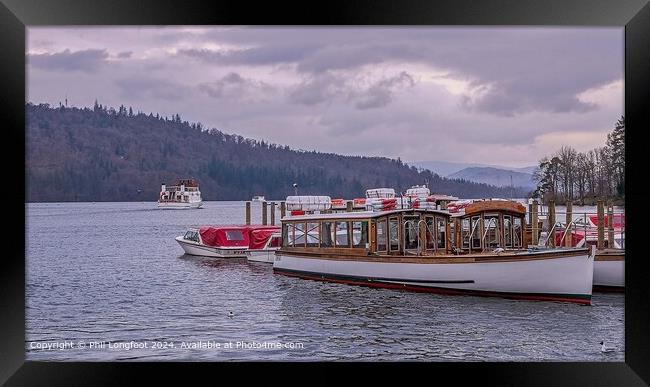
428	259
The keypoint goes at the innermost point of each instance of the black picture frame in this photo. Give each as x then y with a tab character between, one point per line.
634	15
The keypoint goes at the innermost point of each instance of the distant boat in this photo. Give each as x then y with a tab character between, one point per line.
259	199
184	194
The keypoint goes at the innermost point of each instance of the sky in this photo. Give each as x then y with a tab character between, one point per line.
490	95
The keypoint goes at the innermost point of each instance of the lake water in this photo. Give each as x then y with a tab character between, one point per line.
107	281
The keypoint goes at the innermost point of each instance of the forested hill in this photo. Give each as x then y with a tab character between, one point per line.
105	154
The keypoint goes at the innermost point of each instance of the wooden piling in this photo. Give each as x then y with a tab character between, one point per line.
601	224
283	209
569	218
264	214
272	213
248	212
610	226
551	223
348	206
534	224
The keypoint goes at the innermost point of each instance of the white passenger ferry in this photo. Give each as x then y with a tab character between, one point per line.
184	194
480	252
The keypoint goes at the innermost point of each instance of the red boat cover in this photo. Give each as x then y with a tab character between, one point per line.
248	236
619	220
225	236
259	237
576	237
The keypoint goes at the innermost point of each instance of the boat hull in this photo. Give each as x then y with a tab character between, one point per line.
566	279
193	248
609	271
267	256
179	205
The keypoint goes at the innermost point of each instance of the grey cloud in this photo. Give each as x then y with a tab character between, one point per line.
317	89
84	60
125	54
235	87
147	87
381	93
264	55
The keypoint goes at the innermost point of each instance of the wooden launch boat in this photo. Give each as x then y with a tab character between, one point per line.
480	253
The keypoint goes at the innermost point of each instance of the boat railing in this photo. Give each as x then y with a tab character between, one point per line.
581	226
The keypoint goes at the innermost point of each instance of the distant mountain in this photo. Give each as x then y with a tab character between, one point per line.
495	176
104	154
446	168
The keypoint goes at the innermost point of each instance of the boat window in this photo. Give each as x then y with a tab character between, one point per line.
476	233
342	239
382	232
275	242
507	230
442	233
191	236
430	233
299	239
411	233
491	232
360	234
327	229
393	228
466	231
516	231
313	231
234	235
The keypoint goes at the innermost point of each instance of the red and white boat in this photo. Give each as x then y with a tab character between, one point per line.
263	244
230	241
609	263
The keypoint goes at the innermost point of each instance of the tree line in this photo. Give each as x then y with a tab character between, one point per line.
107	154
569	175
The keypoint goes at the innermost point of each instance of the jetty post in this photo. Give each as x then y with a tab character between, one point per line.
551	223
534	223
283	209
272	213
601	224
569	218
348	206
248	213
264	214
610	226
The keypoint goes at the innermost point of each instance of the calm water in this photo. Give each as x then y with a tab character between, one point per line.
112	272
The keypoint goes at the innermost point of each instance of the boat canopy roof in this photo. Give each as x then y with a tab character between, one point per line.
362	214
494	205
259	237
232	235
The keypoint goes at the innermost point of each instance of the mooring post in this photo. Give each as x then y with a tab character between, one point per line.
272	213
533	223
551	223
264	213
348	206
283	209
248	212
601	224
610	226
568	239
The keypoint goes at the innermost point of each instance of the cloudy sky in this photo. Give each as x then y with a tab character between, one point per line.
505	96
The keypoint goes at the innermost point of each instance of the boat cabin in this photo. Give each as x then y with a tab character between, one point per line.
396	232
489	224
484	226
